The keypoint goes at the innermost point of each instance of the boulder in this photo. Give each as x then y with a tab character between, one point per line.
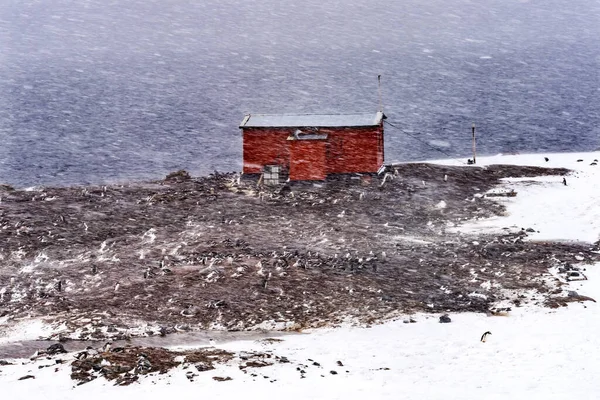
445	319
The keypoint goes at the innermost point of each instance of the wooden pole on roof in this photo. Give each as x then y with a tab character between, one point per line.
474	144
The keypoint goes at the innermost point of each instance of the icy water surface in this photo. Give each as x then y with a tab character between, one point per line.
96	91
197	339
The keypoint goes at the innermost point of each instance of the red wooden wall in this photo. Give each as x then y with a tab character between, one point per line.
354	149
346	150
265	146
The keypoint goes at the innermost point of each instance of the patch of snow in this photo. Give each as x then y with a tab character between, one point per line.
149	236
27	329
533	349
555	211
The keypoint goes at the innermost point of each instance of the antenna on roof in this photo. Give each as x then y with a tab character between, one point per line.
379	91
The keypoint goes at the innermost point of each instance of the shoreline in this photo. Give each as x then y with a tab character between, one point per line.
532	159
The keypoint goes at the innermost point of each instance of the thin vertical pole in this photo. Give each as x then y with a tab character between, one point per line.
474	144
379	91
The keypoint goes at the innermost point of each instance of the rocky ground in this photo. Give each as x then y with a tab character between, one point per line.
223	253
123	366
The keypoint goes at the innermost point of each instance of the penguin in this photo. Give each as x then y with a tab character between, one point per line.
383	256
94	269
565	181
484	336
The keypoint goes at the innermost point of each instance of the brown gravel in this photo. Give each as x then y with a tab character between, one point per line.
191	253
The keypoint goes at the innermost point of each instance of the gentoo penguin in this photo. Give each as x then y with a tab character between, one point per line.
484	336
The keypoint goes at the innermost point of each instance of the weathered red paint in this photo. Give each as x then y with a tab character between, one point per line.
354	149
308	160
265	146
346	150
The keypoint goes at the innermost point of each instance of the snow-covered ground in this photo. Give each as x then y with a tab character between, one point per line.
533	353
556	212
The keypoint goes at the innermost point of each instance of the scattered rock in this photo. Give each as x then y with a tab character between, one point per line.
499	311
126	379
271	340
285	190
332	372
575	276
190	375
26	377
181	175
444	319
203	366
255	364
221	378
57	348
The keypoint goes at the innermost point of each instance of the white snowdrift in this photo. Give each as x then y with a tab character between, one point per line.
556	212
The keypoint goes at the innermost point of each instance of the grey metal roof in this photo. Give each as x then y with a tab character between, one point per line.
311	120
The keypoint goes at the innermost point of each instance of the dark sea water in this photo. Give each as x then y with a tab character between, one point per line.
96	91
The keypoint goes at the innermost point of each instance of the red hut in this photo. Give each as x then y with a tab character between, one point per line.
310	147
